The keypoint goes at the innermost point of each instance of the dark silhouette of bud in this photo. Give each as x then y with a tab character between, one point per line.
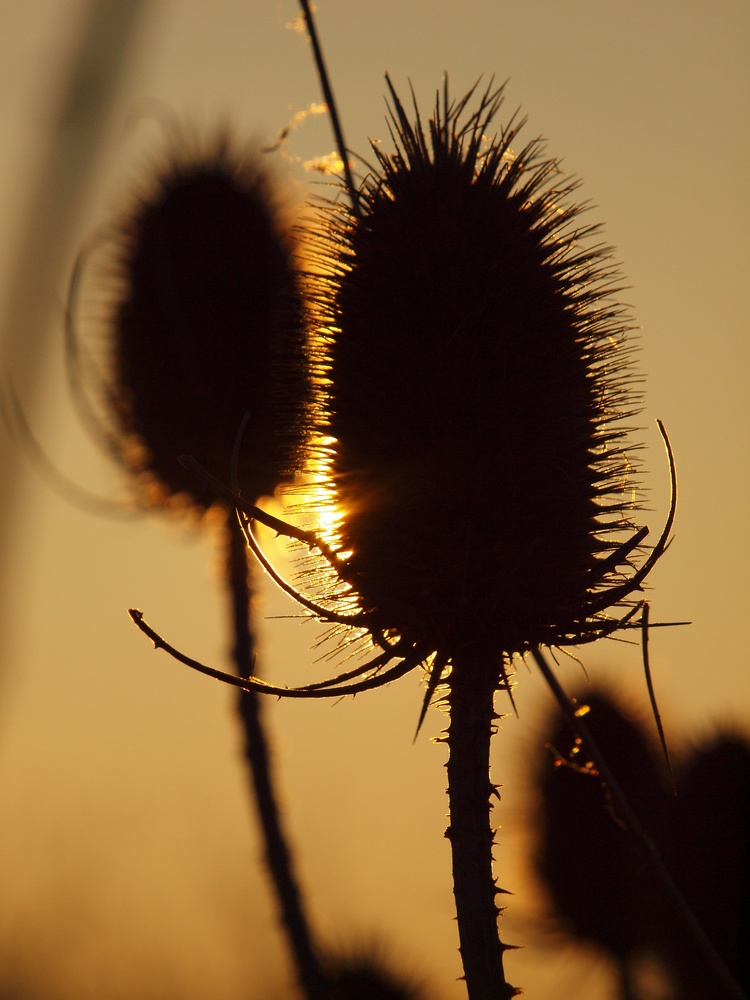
707	848
599	887
208	330
595	876
474	386
208	320
365	974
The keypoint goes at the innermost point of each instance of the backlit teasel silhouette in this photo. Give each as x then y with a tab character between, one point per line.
473	449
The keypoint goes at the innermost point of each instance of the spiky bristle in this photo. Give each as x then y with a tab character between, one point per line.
479	384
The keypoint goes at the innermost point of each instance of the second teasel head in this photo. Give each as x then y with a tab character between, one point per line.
207	325
479	387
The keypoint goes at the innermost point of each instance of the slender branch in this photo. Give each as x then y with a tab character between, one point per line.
325	85
652	693
473	682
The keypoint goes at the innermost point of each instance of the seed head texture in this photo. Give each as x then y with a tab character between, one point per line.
479	380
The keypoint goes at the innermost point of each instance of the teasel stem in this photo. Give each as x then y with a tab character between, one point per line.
258	755
696	938
325	86
473	682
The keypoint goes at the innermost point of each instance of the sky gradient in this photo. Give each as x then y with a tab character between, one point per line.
129	856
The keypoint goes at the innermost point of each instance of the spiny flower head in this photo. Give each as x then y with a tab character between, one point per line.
208	320
477	386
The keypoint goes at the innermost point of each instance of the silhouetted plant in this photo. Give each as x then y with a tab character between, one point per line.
472	358
207	357
474	387
468	351
364	974
597	881
207	314
595	876
707	848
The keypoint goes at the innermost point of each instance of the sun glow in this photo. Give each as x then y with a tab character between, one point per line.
321	498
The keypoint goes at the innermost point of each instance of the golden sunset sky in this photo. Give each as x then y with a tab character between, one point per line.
129	862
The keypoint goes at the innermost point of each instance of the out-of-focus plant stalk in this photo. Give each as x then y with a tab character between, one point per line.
258	756
206	316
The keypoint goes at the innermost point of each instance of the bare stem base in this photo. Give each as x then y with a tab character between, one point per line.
473	683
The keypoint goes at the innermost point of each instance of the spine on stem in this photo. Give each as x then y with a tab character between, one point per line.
472	725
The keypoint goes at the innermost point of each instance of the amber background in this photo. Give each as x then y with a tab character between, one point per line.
128	857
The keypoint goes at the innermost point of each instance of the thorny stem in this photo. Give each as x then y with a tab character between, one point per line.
473	682
727	988
257	753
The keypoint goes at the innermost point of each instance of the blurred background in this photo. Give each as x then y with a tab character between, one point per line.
129	860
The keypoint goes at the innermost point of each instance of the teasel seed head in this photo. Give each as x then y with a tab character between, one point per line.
597	886
477	389
208	326
599	889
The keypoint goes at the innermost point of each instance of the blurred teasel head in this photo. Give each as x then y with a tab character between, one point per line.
207	325
477	387
596	885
